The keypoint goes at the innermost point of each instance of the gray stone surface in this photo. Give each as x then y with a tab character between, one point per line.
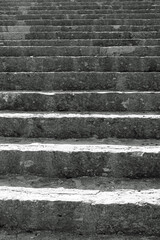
64	236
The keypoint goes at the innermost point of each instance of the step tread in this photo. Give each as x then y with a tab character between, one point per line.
51	93
95	190
70	205
49	115
41	235
80	145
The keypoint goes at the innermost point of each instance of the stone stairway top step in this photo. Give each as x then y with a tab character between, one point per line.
88	1
72	209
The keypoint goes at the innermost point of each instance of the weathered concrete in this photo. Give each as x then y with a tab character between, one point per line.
87	205
82	42
81	211
50	81
73	158
88	64
63	126
80	51
85	28
79	35
107	101
81	22
83	16
46	235
51	10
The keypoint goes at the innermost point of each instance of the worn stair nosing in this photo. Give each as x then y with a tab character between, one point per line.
47	115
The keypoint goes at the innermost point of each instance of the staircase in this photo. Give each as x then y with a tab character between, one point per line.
79	119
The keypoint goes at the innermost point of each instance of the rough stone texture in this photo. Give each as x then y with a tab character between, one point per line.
80	101
82	16
79	35
80	81
82	42
86	28
82	211
37	235
80	51
89	64
50	46
63	126
81	21
132	159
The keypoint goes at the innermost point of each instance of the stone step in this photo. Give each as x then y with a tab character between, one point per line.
48	235
79	28
87	64
106	101
91	2
79	125
151	2
76	22
92	208
80	16
78	157
80	9
41	10
83	5
82	42
78	35
80	81
80	51
99	5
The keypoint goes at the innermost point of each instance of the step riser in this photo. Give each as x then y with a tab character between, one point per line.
150	2
79	51
40	10
79	127
71	64
82	4
82	42
78	35
133	164
78	16
85	28
77	22
73	102
82	7
80	217
75	3
80	81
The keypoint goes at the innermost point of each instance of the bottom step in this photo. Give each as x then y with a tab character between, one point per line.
83	205
63	236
